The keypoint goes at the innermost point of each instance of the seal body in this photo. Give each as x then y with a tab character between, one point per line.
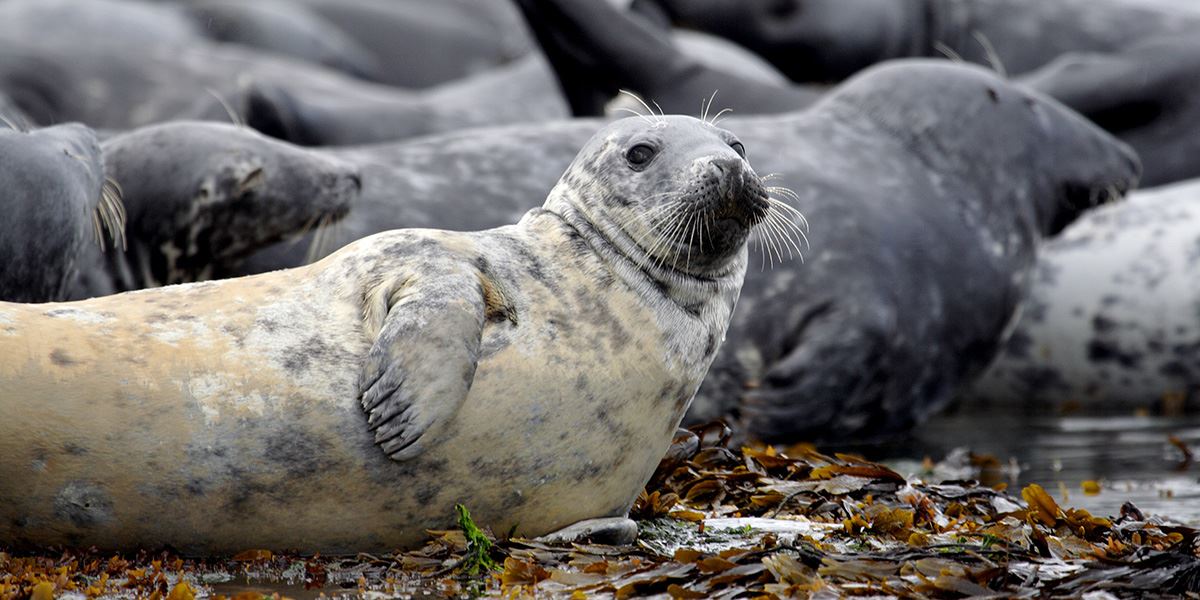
535	373
86	73
843	344
829	40
1110	317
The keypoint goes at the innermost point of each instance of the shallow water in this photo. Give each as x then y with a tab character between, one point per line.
1130	456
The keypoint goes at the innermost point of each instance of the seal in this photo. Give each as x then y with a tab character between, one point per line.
1109	323
59	208
89	75
324	115
424	43
1148	95
597	50
829	40
285	28
894	179
535	372
200	197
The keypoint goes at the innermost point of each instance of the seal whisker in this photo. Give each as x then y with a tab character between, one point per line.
635	113
705	108
989	50
234	117
948	52
716	120
110	216
657	120
787	230
791	226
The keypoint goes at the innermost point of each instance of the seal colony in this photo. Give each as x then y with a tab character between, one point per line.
536	372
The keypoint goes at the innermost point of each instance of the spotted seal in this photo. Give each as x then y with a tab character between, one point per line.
58	206
535	372
199	197
1110	318
921	242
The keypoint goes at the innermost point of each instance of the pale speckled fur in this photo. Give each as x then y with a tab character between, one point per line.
221	416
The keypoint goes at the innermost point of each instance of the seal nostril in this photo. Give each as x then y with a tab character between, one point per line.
357	181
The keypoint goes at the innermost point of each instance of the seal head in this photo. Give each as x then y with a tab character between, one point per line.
201	196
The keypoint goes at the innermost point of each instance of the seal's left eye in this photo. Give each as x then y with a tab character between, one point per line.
739	148
640	155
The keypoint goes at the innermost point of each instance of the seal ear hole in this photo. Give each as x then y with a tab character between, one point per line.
739	148
993	95
640	155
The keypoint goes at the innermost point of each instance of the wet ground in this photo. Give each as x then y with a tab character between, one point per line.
1130	457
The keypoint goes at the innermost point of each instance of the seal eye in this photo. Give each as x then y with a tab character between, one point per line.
739	148
640	155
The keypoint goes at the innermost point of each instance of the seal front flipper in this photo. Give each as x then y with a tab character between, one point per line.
422	364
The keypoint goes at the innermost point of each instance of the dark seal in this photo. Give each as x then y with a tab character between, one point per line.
58	210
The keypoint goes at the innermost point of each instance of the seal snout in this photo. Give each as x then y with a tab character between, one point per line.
732	190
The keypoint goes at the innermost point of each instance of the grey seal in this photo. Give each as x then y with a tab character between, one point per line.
1109	323
829	40
535	372
199	197
58	207
1147	94
922	238
84	73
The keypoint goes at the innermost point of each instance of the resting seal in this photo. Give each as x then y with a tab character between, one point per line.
829	40
200	197
1110	318
85	73
58	209
885	322
534	372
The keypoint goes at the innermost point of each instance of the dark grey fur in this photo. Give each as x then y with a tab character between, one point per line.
86	70
201	196
53	180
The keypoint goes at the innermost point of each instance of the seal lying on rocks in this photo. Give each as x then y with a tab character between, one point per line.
535	372
58	208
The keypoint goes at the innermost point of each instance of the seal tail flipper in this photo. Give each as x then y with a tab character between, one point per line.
597	50
421	366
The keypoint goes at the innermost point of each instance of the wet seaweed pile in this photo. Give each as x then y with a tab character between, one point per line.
716	522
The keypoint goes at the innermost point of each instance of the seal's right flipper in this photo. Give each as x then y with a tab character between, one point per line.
422	364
